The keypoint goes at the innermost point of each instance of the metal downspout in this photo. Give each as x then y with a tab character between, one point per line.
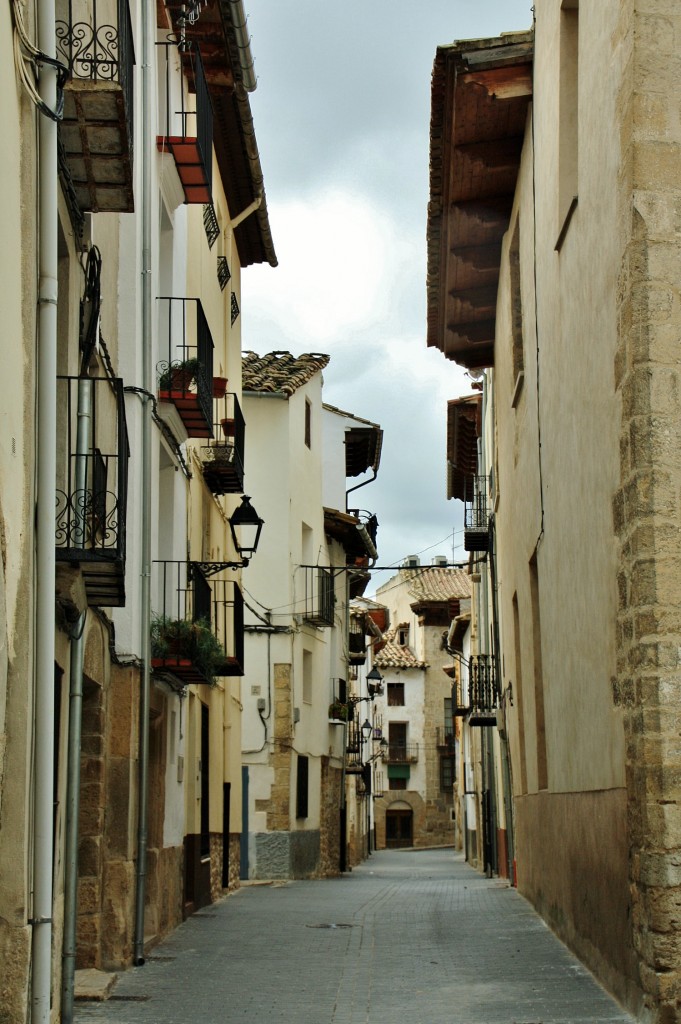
45	568
148	105
75	730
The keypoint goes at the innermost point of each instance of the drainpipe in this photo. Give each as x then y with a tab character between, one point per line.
46	459
75	729
147	105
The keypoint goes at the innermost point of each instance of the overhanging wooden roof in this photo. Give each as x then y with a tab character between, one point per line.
234	139
481	90
464	422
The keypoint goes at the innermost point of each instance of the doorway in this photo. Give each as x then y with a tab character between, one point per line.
399	828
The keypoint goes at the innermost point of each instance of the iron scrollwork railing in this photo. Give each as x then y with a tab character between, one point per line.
223	456
92	481
96	44
483	690
186	345
319	596
476	515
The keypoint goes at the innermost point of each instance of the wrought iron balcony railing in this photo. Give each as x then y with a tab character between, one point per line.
94	40
318	596
223	457
187	133
479	700
198	623
476	516
357	650
402	753
92	484
185	371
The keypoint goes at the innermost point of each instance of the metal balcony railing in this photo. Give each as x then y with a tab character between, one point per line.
479	700
92	484
402	753
198	623
187	133
185	370
94	40
476	516
318	596
223	457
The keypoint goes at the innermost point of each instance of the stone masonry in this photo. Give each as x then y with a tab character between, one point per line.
646	506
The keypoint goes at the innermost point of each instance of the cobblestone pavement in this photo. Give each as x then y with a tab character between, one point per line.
407	938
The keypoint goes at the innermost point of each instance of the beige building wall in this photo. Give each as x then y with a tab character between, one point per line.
588	478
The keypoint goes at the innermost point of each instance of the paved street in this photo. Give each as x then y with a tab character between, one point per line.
415	937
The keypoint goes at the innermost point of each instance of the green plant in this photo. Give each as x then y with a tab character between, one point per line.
338	710
195	641
179	374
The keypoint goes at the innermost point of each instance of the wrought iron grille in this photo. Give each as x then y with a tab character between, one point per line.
235	309
402	753
476	513
180	121
210	224
319	596
483	691
186	344
97	45
224	273
92	482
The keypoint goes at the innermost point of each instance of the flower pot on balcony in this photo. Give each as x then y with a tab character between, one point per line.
227	427
219	387
338	712
179	377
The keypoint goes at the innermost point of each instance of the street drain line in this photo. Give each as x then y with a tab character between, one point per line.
328	926
129	999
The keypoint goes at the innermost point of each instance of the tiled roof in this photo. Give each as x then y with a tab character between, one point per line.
280	371
394	655
435	583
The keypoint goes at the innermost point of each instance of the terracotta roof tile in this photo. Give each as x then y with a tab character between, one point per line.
394	655
280	371
435	583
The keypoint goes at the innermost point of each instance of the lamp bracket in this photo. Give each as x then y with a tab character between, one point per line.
212	568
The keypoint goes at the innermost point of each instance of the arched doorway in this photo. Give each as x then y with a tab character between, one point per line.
399	825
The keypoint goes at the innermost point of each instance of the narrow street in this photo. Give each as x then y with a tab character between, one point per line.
414	937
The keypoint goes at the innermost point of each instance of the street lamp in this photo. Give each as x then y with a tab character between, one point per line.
248	522
374	682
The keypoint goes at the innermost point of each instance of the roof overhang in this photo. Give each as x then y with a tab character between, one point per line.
234	139
350	533
362	449
464	424
481	91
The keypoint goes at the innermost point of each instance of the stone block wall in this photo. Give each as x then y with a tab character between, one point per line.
646	505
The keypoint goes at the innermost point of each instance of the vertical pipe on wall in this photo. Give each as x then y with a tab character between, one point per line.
75	729
148	106
46	460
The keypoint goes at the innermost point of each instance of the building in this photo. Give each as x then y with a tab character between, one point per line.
124	750
415	707
553	276
314	555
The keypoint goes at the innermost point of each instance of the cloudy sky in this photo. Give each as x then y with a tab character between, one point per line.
342	114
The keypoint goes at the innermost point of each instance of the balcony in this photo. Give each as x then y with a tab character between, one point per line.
401	753
92	484
223	458
188	133
94	40
445	737
319	599
185	372
476	515
357	650
480	704
198	624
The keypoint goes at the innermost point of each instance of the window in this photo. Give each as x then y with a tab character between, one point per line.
540	720
307	677
403	634
447	775
395	695
397	783
308	422
568	115
302	787
398	776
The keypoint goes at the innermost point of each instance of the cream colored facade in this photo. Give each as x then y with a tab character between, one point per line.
131	868
581	450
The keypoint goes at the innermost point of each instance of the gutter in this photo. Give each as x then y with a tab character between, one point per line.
243	43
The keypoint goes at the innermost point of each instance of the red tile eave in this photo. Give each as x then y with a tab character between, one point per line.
481	90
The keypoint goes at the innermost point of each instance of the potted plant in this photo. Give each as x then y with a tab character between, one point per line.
227	427
338	711
176	640
219	387
179	376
